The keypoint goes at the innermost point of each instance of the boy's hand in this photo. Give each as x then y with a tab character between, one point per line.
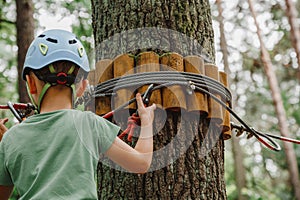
146	114
3	128
139	158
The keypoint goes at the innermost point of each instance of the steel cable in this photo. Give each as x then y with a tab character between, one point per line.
196	82
163	79
158	78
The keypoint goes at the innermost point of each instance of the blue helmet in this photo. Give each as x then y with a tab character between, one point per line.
55	45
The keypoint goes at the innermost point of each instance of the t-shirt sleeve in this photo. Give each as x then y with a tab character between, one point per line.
96	133
107	133
5	178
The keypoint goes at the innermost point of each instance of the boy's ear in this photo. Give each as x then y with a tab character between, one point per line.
31	84
81	87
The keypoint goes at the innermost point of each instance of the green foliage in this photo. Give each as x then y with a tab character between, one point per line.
82	27
8	52
8	71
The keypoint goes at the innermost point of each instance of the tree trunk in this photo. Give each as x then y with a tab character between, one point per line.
188	161
25	34
292	15
279	108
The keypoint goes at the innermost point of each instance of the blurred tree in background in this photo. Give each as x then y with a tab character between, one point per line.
8	55
266	172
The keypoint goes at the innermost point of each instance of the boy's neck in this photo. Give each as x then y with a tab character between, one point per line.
56	100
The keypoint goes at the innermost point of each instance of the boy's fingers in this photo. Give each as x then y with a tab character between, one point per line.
3	121
139	100
141	103
153	106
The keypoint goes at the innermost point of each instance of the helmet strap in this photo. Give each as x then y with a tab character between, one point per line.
30	95
43	92
48	85
74	96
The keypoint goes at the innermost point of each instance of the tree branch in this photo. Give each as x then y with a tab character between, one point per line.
7	21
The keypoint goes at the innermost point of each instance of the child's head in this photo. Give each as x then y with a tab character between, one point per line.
55	59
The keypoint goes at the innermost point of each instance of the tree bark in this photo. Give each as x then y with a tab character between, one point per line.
188	17
188	160
25	34
279	108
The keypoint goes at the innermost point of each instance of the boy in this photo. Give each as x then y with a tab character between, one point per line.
54	154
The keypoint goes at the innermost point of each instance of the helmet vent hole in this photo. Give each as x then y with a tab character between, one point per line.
52	40
72	41
42	35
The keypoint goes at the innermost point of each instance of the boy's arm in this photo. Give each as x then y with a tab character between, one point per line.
5	192
3	128
138	159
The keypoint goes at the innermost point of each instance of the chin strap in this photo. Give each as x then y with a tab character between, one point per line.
30	96
53	79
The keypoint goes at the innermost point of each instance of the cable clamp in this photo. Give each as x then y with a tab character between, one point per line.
191	87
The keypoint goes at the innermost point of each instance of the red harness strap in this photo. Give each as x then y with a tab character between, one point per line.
133	122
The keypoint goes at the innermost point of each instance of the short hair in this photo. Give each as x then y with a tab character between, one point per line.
61	66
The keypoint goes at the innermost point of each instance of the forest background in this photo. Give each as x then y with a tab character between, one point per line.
264	173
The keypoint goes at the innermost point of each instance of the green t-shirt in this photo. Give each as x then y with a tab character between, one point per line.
54	155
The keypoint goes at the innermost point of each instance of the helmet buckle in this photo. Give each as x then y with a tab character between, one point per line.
61	78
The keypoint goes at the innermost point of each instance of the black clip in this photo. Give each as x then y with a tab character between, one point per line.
146	97
147	94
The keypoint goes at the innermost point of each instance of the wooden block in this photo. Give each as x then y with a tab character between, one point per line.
197	101
173	97
194	64
149	62
91	77
214	108
226	128
103	72
123	65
